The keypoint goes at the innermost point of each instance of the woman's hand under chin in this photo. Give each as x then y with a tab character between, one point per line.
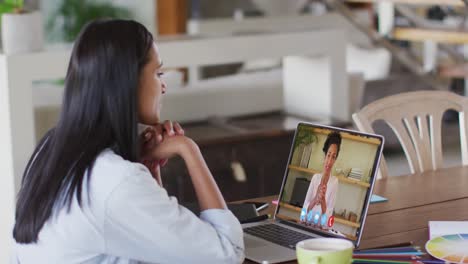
151	138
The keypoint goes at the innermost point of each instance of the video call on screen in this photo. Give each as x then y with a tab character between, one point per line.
328	180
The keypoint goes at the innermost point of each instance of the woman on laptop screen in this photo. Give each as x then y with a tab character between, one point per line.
321	195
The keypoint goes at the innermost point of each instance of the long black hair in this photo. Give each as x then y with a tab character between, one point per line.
99	111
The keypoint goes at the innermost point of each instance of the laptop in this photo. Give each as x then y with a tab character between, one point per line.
325	192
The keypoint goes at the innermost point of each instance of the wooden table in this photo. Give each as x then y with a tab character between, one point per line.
414	200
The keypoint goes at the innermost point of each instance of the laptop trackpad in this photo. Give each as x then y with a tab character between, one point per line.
259	250
254	243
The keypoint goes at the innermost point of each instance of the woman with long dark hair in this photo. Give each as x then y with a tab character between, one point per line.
86	197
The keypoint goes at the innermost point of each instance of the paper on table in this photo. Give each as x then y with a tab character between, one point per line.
377	199
440	228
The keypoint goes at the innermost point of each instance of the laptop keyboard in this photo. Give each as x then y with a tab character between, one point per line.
277	234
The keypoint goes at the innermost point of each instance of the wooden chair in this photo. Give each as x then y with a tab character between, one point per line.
416	120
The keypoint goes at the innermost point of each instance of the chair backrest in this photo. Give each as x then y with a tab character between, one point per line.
416	120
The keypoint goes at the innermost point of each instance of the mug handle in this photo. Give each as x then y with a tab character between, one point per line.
315	260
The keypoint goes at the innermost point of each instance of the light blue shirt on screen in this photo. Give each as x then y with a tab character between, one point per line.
126	217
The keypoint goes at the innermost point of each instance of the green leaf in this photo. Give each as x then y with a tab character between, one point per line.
6	7
305	137
74	14
14	3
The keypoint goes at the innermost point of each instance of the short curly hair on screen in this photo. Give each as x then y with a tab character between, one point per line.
332	138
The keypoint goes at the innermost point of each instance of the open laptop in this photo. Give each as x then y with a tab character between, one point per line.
329	169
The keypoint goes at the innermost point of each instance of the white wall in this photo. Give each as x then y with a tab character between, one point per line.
7	189
143	10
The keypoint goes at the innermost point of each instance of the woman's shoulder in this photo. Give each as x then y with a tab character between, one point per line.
334	179
317	176
109	161
110	169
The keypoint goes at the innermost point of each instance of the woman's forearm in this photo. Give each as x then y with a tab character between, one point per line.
312	203
323	204
206	189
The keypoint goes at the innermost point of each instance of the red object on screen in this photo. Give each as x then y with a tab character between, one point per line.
331	221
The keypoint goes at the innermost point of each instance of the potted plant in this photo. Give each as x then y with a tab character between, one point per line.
70	16
21	30
303	147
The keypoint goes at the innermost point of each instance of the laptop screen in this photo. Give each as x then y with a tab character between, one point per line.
329	180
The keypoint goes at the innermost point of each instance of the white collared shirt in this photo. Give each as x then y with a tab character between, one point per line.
129	218
330	195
